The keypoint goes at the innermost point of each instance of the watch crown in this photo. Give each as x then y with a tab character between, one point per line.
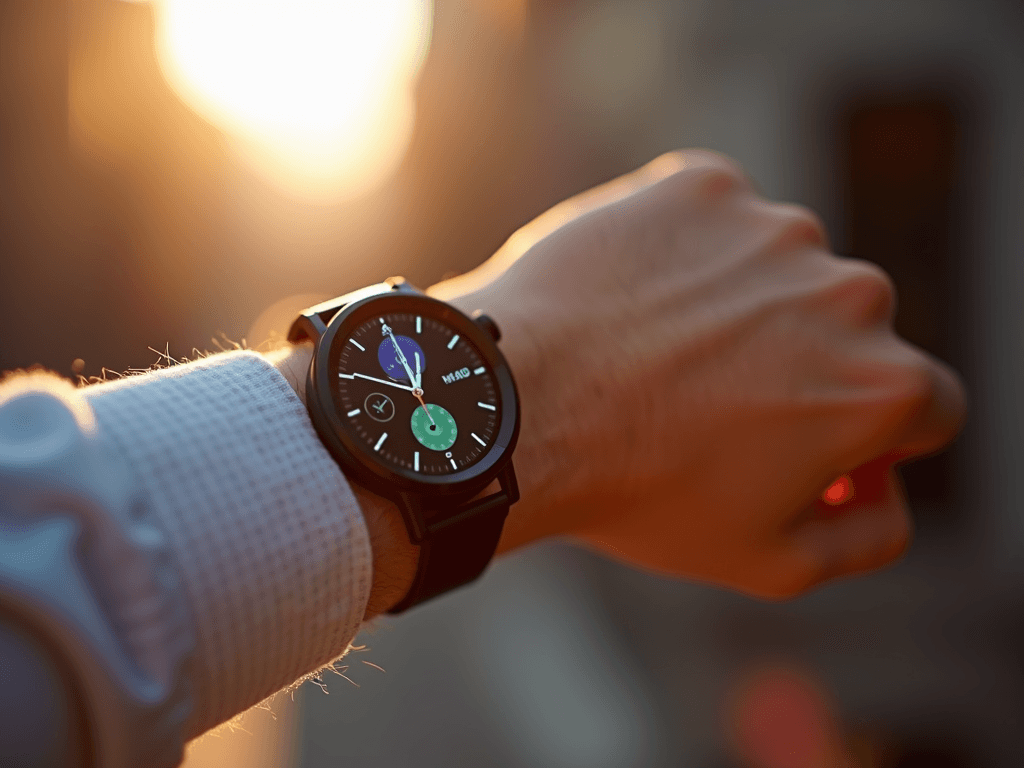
485	322
397	282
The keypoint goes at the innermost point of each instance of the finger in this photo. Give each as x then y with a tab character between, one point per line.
923	410
940	418
941	415
873	530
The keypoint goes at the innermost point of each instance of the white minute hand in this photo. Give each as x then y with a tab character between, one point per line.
403	361
371	378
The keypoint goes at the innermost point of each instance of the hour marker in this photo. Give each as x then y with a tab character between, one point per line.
357	345
382	321
381	441
419	325
479	370
488	406
477	438
354	412
454	465
451	344
416	461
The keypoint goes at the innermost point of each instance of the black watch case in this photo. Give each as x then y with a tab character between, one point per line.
413	491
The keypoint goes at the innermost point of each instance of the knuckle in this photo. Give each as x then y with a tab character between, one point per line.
913	383
795	226
709	158
702	174
670	162
904	371
716	184
866	295
892	389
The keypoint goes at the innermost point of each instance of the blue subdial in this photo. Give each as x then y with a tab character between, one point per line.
390	361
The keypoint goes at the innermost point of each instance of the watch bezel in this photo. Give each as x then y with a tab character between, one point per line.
356	459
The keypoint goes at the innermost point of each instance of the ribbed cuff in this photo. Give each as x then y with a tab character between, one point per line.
272	548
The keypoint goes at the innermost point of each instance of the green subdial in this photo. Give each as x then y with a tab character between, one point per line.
439	436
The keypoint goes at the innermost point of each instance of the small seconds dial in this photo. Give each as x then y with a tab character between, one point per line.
415	393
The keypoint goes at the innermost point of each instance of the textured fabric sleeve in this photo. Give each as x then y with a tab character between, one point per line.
90	602
271	546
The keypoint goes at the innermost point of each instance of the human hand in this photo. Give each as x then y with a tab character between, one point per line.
695	368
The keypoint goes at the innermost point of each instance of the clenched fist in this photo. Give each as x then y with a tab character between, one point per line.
695	368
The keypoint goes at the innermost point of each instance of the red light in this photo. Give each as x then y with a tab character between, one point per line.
839	492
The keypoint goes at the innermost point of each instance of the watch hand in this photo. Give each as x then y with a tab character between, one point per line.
371	378
419	373
420	398
402	360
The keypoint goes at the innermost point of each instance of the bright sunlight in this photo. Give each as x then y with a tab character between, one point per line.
317	95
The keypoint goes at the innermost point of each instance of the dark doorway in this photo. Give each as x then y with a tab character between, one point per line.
902	181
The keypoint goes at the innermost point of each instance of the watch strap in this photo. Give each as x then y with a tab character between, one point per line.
311	324
456	549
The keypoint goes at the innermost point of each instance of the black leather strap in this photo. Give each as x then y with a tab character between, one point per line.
311	324
458	547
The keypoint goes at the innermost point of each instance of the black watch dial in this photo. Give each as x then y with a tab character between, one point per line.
415	393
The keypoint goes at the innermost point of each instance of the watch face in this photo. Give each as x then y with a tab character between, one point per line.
412	391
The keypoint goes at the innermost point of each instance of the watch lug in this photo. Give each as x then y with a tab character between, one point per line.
399	283
509	484
411	507
307	327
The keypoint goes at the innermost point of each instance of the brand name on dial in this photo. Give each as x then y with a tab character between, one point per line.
451	378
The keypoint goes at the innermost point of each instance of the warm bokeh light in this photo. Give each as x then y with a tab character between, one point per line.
781	717
839	492
316	94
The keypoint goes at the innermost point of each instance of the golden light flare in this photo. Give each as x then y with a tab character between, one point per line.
317	95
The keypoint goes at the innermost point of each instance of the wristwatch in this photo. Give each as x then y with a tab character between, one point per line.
417	404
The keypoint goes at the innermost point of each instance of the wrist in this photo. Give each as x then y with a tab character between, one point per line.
394	556
548	502
292	360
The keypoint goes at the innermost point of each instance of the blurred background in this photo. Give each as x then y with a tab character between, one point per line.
182	174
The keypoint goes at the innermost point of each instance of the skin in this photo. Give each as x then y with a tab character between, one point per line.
695	368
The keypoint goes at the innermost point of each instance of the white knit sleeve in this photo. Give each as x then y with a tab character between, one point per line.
271	546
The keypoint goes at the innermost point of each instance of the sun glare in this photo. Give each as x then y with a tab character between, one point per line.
316	94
